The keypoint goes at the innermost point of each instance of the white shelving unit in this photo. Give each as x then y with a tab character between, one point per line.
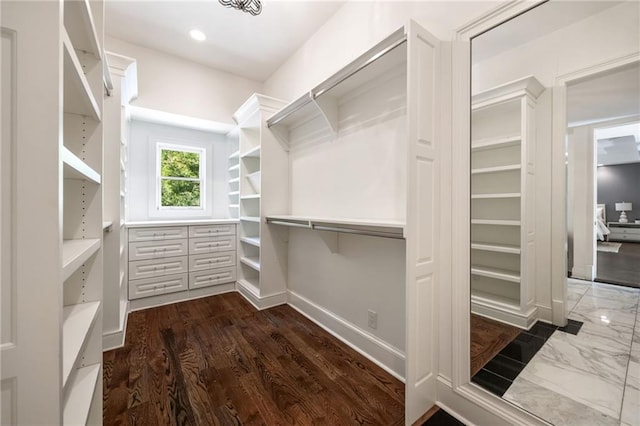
234	174
502	202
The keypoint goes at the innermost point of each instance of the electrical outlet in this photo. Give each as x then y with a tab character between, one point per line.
373	319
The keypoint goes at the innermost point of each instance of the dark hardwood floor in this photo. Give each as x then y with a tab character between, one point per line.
622	267
488	337
218	361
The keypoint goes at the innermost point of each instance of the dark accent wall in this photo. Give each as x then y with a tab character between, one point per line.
619	183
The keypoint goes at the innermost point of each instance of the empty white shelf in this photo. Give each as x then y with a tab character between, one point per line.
75	168
252	153
254	241
77	322
497	273
495	143
234	193
78	21
234	168
499	195
250	197
497	248
78	97
75	253
493	300
250	219
81	391
372	227
508	168
234	155
253	262
234	180
251	285
495	222
234	206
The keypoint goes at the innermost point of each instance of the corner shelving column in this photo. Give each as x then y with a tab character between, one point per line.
502	202
234	174
263	190
82	231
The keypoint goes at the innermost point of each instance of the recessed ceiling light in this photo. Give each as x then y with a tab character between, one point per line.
197	35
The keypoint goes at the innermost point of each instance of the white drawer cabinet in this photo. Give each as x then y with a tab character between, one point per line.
211	277
199	262
157	249
170	259
159	233
624	232
158	285
158	267
212	245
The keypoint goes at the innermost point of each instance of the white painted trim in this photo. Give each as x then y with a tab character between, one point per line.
583	272
386	356
167	118
181	296
261	302
545	313
518	319
115	339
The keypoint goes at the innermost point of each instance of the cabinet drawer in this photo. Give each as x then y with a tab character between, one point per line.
200	262
157	249
160	233
197	231
212	245
212	277
625	231
158	285
615	236
157	267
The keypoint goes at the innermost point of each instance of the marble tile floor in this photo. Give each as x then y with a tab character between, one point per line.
592	378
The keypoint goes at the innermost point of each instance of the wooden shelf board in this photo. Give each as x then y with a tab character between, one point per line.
234	180
496	169
234	193
234	168
250	197
497	248
75	253
78	97
252	153
497	273
78	320
75	168
494	301
493	196
495	222
249	219
234	155
79	24
80	395
234	206
252	262
254	241
494	143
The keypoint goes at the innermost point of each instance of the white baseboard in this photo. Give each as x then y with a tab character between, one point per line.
583	272
260	302
545	313
522	320
380	352
115	339
181	296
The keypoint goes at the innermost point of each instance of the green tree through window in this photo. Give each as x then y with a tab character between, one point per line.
179	178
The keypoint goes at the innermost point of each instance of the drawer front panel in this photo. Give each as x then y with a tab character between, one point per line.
628	231
615	236
158	285
158	267
198	231
200	262
212	245
157	249
158	234
212	277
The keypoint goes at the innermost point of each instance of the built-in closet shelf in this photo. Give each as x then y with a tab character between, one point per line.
494	300
81	390
492	196
496	169
377	228
234	206
122	166
75	168
495	222
529	86
250	284
78	22
323	99
494	143
78	97
75	253
250	219
497	248
234	193
107	226
234	168
234	155
252	153
250	197
497	273
254	241
252	262
234	180
77	322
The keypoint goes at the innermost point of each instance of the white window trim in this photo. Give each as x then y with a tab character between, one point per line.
202	152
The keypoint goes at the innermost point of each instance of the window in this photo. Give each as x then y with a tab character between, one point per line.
180	179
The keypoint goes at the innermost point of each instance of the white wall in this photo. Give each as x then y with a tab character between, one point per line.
141	168
171	84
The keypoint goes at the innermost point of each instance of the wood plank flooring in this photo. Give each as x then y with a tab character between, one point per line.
218	361
622	267
488	337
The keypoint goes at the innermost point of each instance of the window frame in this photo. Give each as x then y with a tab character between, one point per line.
202	179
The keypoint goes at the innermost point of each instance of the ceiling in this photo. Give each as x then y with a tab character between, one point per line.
237	42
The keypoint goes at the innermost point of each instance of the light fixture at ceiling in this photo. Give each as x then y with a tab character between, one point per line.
253	7
197	35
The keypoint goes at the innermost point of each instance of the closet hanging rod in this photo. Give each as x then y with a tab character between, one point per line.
358	232
289	109
287	223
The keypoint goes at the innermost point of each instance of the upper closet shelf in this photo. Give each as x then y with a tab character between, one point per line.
529	86
75	168
78	21
78	97
234	155
322	100
494	143
252	153
376	228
